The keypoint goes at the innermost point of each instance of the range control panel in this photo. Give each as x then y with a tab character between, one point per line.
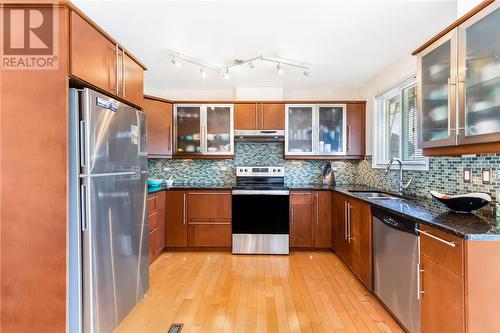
259	171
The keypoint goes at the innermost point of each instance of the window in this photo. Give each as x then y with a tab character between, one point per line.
396	129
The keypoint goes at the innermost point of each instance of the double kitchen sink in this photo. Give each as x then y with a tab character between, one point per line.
376	195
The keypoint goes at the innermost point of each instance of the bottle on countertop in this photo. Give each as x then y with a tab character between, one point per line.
328	175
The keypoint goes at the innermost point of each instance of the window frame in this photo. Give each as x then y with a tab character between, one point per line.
378	135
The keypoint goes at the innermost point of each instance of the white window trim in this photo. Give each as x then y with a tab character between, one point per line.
422	165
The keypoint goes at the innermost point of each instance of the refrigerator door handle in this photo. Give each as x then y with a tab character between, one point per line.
83	143
83	207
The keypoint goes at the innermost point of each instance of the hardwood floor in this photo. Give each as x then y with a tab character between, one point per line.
219	292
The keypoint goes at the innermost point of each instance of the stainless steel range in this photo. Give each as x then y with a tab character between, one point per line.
260	211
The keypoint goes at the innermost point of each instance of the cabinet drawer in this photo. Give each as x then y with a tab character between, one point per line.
301	198
152	204
153	221
209	206
447	255
209	235
152	248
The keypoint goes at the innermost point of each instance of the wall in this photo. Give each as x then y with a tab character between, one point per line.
223	171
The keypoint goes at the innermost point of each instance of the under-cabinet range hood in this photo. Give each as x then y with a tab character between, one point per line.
259	135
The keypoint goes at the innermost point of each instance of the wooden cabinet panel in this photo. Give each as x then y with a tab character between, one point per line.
360	231
301	198
442	303
323	219
92	56
161	202
209	235
301	226
245	116
356	129
340	243
272	116
446	255
152	203
133	88
152	248
159	127
210	205
153	221
175	221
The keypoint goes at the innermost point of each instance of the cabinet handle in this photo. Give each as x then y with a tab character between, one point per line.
256	116
436	238
293	215
184	208
116	69
345	220
349	138
317	208
169	145
262	116
123	72
419	290
349	222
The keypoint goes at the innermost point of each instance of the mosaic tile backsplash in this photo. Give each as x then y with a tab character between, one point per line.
444	175
222	172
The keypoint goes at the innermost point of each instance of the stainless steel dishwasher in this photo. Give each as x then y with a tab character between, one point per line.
396	267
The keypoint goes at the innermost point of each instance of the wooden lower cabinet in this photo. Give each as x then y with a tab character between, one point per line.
156	224
209	234
310	219
442	301
352	235
176	225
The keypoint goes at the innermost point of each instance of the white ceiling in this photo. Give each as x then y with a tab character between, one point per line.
345	42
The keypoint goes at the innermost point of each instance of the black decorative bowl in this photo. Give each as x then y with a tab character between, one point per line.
464	203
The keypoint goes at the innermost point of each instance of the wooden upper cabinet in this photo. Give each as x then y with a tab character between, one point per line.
245	116
92	55
159	127
272	116
259	116
133	87
355	129
97	60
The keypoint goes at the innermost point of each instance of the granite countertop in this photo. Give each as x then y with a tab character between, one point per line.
481	225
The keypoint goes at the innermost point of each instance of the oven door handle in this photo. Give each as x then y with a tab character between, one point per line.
261	192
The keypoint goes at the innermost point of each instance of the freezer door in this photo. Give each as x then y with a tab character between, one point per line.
115	249
112	135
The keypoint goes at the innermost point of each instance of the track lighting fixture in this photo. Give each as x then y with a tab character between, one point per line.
203	73
204	67
280	69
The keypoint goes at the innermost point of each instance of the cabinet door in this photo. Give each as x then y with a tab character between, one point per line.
209	206
92	56
437	92
442	301
133	81
152	248
479	77
323	219
332	129
272	116
339	212
160	238
159	127
209	234
301	226
299	130
245	116
355	131
175	220
218	130
360	238
188	140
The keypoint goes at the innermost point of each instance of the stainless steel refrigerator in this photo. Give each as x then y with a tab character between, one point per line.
108	243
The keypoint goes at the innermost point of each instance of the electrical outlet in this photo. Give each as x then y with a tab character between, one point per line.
467	175
486	176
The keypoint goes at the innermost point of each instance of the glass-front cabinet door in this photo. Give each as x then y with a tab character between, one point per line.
331	129
188	138
204	129
437	92
218	131
479	77
299	130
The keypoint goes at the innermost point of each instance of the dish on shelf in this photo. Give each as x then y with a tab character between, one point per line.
481	105
464	203
439	113
439	93
437	68
483	127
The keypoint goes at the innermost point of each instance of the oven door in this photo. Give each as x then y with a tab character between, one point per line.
260	221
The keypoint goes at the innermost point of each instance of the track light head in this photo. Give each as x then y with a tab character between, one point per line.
203	73
306	73
251	65
280	69
226	74
176	62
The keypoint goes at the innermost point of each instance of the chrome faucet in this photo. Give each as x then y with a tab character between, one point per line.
402	186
